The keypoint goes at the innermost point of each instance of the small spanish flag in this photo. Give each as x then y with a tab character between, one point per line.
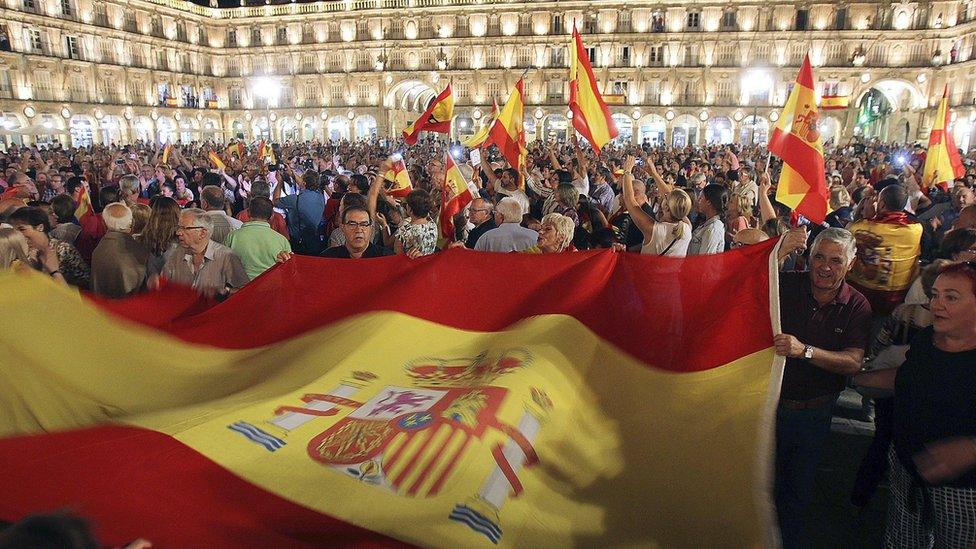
83	200
942	164
400	178
217	161
591	116
834	102
166	151
456	196
437	118
235	148
261	149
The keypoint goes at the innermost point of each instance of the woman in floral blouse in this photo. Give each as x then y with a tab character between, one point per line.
34	224
419	236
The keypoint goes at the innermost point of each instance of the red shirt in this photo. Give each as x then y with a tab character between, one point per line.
92	230
277	221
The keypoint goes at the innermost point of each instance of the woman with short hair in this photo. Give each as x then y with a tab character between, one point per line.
555	235
671	235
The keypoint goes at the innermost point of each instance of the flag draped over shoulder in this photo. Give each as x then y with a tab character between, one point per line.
582	406
482	134
591	116
796	140
942	156
437	118
400	179
508	130
455	197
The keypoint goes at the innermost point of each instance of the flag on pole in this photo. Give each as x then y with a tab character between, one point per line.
508	131
261	149
591	116
455	197
166	151
400	179
796	140
216	160
942	156
400	415
834	102
437	117
482	134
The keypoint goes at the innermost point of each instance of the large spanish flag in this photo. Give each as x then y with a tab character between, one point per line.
437	118
796	139
591	116
482	134
508	130
606	399
942	162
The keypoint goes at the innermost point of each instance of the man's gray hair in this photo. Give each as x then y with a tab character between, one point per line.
118	217
129	185
843	237
260	187
510	210
200	218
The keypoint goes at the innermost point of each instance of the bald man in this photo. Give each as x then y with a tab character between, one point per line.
748	237
119	262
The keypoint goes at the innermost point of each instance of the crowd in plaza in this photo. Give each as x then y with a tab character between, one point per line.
882	296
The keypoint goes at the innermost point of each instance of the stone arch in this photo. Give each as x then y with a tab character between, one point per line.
894	90
409	95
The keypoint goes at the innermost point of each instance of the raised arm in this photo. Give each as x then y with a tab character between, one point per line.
640	218
766	210
374	189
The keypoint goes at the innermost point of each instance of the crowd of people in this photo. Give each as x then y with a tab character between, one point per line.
881	296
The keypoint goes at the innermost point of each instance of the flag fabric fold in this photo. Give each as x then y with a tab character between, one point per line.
942	162
834	102
591	116
482	134
84	205
455	196
568	409
437	118
166	150
399	178
217	162
508	130
796	140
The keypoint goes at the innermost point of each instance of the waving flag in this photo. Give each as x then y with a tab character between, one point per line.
600	414
942	162
508	131
437	117
235	148
482	134
455	197
591	116
834	102
399	178
84	208
796	139
166	150
216	160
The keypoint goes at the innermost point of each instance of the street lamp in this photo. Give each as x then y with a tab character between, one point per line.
269	89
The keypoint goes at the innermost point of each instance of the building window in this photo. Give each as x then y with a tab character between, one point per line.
101	18
655	55
34	37
831	88
694	20
554	90
255	36
29	5
657	22
129	19
591	54
625	56
42	86
311	94
232	37
66	7
236	98
618	87
802	19
557	57
557	24
71	46
282	35
840	19
728	20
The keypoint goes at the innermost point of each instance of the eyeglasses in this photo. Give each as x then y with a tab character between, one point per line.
182	229
358	224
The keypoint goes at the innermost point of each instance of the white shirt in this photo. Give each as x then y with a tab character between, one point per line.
661	237
709	238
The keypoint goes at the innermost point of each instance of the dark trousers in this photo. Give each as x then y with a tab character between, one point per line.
800	439
874	465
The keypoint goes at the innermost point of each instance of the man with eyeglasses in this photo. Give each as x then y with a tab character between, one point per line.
211	268
357	227
480	214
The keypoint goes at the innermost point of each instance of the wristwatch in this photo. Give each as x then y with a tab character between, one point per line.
808	352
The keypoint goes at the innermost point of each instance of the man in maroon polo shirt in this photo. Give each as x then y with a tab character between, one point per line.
826	324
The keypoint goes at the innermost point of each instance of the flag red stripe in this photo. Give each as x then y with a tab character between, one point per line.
803	158
433	461
133	483
579	119
417	454
451	463
682	305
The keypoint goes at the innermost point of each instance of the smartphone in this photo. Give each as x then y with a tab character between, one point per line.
475	156
120	161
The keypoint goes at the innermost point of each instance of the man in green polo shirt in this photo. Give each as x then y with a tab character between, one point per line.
256	243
